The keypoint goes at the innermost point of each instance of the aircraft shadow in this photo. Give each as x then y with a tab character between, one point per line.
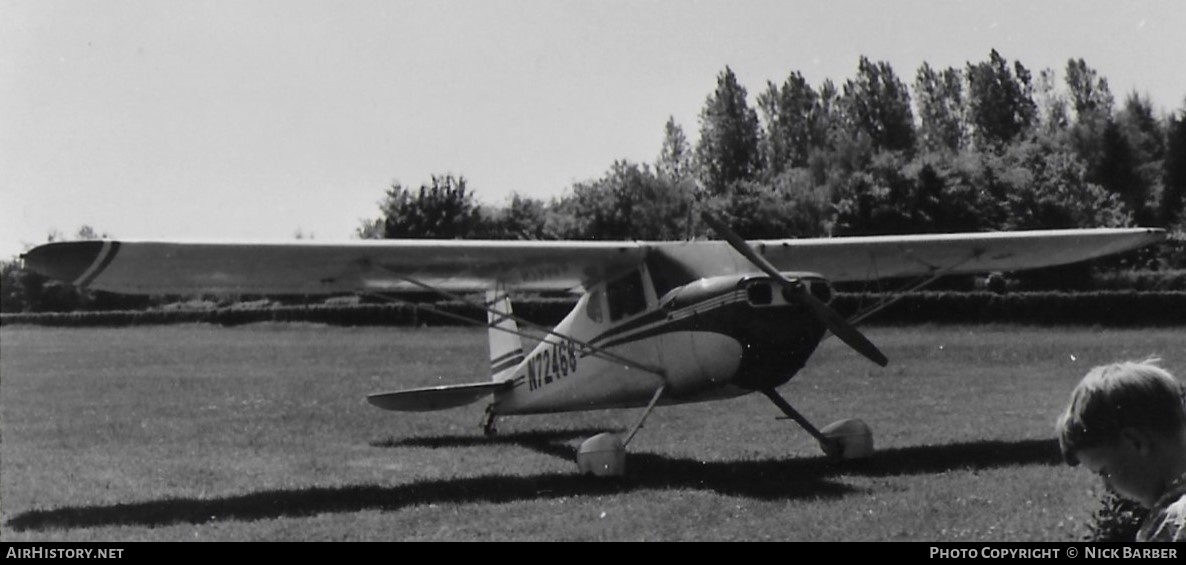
769	479
526	439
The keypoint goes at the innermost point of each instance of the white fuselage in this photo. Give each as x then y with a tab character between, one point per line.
615	344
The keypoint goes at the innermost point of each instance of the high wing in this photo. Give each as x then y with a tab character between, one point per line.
140	267
880	257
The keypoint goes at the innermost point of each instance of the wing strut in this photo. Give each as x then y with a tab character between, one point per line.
650	407
592	349
829	446
898	295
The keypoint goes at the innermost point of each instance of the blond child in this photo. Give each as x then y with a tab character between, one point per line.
1126	422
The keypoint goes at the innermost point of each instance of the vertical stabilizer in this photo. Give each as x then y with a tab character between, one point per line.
506	348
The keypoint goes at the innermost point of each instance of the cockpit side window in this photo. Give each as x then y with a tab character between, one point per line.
666	274
626	296
593	307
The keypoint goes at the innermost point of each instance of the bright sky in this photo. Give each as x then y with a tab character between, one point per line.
242	119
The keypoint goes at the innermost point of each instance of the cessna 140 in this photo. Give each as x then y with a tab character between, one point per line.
657	323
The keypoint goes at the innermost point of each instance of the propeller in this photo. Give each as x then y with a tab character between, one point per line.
829	317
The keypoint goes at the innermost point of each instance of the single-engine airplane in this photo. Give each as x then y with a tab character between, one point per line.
657	323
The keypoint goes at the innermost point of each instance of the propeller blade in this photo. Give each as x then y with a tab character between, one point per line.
829	317
742	247
844	330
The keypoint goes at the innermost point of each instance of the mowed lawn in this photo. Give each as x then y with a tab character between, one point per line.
195	432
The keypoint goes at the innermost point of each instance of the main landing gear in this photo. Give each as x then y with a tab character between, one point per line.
845	439
604	455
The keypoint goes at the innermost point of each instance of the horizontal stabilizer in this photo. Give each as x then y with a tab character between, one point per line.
437	397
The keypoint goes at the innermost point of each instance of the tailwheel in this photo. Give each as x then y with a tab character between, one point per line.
489	425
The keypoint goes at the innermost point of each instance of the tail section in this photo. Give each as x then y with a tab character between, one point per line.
506	352
506	348
435	398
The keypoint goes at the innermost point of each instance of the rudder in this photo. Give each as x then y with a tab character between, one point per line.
506	347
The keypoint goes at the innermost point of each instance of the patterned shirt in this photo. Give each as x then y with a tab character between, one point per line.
1167	518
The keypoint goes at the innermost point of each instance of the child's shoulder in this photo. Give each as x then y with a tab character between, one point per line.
1167	519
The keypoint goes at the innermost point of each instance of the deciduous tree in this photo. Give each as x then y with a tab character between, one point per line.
792	118
940	99
1000	101
729	146
628	202
442	209
1173	195
876	104
675	156
1091	99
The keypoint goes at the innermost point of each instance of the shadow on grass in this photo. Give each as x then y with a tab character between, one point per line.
530	439
761	479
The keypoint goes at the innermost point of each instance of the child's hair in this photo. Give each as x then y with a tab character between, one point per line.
1123	395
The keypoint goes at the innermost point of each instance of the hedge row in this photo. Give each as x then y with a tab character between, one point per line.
1140	281
543	311
1116	309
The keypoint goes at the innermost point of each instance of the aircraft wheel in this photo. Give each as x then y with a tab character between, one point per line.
603	455
848	439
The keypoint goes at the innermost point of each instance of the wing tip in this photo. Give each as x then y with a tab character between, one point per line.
75	262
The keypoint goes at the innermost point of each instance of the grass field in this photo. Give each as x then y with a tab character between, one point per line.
263	433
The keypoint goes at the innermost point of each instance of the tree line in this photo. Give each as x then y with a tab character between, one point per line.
987	146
